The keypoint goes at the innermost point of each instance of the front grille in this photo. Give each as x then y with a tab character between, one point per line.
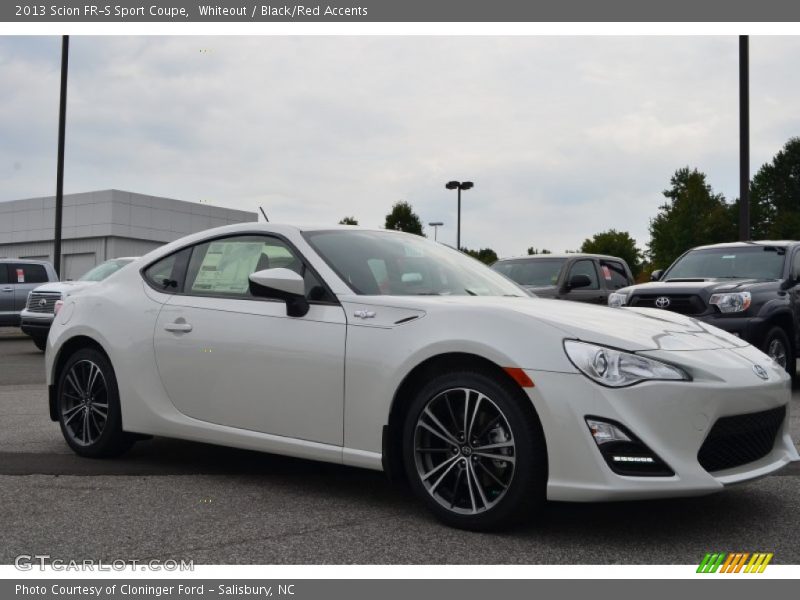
741	439
43	302
686	304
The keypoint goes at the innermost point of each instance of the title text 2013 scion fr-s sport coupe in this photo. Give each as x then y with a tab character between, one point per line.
384	350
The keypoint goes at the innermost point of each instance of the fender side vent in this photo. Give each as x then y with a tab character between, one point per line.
406	319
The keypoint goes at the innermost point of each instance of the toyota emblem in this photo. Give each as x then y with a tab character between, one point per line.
761	372
42	302
662	302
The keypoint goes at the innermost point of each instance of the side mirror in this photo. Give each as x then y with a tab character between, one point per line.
283	284
656	275
789	283
578	281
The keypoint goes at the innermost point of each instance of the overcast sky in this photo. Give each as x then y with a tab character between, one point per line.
563	136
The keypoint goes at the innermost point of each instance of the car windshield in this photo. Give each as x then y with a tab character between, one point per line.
105	269
750	262
390	263
535	272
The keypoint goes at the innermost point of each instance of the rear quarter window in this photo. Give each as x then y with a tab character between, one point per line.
614	274
166	275
28	273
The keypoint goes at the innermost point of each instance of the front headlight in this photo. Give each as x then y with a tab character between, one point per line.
617	299
615	368
732	302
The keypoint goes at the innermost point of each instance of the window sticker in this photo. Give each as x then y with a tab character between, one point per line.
226	267
606	272
20	276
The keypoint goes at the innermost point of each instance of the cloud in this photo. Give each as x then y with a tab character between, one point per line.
563	136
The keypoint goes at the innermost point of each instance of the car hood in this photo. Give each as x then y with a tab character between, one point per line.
704	287
65	288
632	329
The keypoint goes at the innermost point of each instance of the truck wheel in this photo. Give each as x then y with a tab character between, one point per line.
776	345
40	342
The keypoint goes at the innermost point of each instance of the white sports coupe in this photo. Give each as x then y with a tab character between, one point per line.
384	350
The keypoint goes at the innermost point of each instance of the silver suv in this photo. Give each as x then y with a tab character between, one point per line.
18	276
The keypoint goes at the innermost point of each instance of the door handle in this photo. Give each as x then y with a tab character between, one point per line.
8	289
178	327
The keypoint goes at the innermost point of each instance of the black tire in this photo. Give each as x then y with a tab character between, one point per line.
41	343
79	411
777	346
524	488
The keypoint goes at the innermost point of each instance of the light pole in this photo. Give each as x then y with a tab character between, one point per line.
62	124
744	138
436	225
459	185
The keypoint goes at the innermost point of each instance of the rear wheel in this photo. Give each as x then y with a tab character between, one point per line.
40	342
473	452
88	406
777	346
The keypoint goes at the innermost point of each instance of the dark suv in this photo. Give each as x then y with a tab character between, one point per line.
749	289
580	277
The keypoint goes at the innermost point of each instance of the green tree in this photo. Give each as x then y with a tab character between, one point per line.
403	218
692	215
349	221
532	251
615	243
485	255
775	196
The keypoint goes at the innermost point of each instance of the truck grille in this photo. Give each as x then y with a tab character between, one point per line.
686	304
741	439
42	302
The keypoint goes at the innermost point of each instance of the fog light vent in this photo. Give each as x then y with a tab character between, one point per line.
624	453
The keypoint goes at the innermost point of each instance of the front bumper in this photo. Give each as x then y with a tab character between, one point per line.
36	324
672	418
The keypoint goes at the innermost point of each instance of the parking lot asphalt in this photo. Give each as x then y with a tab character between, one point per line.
169	499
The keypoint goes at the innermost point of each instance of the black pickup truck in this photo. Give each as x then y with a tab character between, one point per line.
750	289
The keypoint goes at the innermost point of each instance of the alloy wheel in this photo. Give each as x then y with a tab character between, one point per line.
84	405
777	352
464	451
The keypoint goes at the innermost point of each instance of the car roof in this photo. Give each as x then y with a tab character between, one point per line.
562	255
748	244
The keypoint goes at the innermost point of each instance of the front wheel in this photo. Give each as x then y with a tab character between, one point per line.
777	346
473	452
88	406
41	343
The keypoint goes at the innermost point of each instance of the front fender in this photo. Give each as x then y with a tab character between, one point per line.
377	360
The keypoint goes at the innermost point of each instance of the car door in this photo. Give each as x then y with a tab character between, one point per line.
794	292
24	278
592	293
7	313
229	358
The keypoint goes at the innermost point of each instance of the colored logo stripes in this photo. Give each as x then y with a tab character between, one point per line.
735	562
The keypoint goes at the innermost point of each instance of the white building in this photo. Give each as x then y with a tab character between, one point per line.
105	224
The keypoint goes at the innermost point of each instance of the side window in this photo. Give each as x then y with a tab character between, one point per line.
223	267
3	273
166	275
795	266
585	267
614	274
27	273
